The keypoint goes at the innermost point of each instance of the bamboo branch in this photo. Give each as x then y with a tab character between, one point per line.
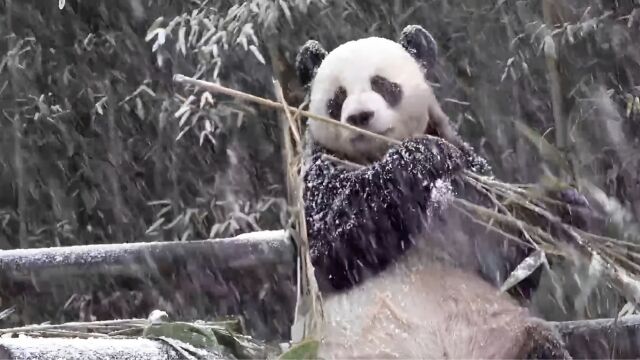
551	59
209	86
309	318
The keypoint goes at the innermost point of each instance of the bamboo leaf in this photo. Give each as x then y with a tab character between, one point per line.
307	349
524	269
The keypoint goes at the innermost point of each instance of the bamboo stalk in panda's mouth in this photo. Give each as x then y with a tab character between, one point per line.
217	88
213	87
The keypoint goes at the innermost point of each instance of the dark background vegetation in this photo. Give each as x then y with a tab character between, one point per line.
98	146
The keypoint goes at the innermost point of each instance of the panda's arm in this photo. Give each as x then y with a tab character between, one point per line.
363	219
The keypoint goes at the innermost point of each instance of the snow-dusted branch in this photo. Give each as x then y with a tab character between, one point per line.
69	348
252	250
602	338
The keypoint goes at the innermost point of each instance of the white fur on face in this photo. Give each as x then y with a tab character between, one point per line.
352	65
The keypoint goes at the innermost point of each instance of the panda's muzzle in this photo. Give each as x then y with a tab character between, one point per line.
360	119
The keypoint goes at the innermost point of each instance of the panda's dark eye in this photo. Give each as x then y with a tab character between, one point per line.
334	105
391	92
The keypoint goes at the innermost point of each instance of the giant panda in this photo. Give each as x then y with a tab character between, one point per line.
398	277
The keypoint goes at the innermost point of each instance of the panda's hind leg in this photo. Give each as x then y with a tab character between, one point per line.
542	342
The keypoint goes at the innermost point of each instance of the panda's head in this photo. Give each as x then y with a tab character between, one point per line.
373	83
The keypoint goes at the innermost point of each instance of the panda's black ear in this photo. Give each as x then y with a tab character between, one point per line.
420	44
309	58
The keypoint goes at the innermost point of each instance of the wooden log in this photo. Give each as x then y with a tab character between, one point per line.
602	338
27	348
251	276
252	250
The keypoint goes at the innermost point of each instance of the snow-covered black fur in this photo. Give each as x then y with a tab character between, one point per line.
360	221
364	221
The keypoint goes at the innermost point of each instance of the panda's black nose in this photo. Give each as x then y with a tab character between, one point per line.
360	119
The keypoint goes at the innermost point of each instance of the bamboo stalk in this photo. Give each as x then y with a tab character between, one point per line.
308	319
181	79
554	78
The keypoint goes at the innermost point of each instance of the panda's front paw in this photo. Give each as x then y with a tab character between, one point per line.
571	196
574	209
456	158
473	161
432	154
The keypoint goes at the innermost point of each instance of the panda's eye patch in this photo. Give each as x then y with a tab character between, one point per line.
334	105
391	92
